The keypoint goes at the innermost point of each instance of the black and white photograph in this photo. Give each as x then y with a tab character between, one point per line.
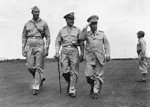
74	53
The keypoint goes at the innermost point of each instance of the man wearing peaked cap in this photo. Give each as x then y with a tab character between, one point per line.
93	18
68	38
70	16
97	51
35	47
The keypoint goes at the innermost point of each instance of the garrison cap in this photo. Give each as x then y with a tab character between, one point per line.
69	16
141	33
93	18
35	8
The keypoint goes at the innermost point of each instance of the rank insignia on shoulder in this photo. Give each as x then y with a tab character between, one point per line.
101	31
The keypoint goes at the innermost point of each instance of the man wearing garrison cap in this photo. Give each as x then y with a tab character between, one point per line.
35	48
68	38
97	52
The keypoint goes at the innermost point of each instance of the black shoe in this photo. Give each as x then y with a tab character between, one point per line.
42	81
95	96
35	91
72	95
142	80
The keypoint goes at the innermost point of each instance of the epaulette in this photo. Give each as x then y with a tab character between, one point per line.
74	26
88	31
28	22
101	31
64	27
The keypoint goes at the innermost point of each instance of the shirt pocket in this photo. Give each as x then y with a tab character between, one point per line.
64	35
41	29
99	41
74	37
99	37
30	28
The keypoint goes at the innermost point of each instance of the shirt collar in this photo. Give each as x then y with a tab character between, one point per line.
94	32
36	20
70	27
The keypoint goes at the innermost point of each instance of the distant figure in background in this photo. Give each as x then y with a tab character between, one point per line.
142	57
34	47
97	52
68	38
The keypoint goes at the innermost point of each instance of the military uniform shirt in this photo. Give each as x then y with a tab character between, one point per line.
97	46
30	30
66	37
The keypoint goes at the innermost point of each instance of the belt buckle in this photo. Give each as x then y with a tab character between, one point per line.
69	46
33	37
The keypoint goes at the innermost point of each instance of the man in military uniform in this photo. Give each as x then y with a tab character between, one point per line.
97	51
142	57
68	38
34	47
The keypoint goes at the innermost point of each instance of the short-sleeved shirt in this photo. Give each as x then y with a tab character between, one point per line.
67	37
35	29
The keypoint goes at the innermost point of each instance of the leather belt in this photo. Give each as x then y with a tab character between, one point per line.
35	37
71	46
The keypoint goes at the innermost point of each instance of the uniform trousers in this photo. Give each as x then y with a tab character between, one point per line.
70	64
95	72
35	60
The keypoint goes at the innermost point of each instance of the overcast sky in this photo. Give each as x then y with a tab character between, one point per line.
119	19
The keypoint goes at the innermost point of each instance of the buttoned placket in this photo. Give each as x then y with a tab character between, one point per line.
93	36
69	33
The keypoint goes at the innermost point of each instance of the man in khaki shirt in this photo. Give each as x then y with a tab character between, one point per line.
142	57
68	38
34	47
97	51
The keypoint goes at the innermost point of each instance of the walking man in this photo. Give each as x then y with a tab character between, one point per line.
97	51
34	48
142	57
68	38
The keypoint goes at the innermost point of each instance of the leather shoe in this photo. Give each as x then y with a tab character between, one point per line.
35	91
95	96
142	80
72	95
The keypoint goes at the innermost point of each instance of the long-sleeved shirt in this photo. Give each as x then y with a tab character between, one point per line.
97	46
141	47
69	36
37	28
